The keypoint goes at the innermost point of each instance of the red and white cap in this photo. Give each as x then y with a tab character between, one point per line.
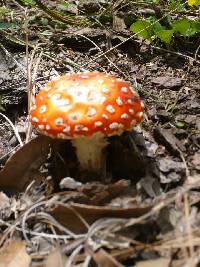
82	104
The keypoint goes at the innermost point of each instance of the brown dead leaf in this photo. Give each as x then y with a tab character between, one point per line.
14	254
124	254
54	259
23	166
162	262
168	139
168	82
103	259
170	170
195	161
69	215
100	194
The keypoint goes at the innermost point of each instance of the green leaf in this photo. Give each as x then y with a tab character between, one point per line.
105	19
28	2
165	35
156	26
64	5
143	29
176	5
196	26
182	26
7	25
44	21
180	124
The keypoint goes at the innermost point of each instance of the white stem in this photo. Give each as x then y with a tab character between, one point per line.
89	151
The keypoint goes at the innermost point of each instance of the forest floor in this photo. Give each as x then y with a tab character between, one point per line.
145	212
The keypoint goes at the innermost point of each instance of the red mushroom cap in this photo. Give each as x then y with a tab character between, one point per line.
81	104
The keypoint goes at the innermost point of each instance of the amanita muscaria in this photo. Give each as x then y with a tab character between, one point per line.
86	108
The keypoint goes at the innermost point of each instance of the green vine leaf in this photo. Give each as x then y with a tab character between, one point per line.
165	35
142	28
182	26
186	27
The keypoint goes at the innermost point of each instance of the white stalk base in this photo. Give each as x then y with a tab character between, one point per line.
89	151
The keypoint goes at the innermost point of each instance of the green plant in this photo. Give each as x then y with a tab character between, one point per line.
147	30
180	124
181	25
26	2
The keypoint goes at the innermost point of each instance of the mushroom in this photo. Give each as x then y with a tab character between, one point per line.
86	108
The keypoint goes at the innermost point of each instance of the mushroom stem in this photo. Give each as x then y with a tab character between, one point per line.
89	151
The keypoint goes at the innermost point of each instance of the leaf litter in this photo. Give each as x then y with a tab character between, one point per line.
145	213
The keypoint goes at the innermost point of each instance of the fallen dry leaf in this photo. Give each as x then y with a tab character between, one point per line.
195	161
13	254
103	259
168	82
162	262
22	167
54	259
168	139
100	194
170	170
69	215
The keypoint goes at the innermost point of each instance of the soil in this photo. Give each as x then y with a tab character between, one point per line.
147	166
